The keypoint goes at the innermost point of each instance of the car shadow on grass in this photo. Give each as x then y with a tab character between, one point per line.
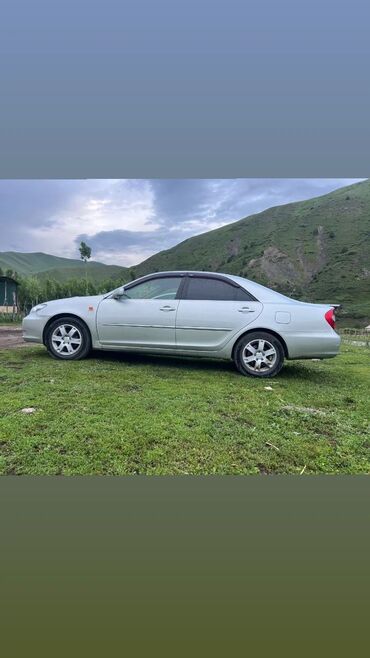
292	370
304	371
164	361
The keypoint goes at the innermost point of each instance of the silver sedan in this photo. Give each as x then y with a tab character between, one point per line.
199	314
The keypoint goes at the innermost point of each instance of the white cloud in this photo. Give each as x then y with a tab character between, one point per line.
99	206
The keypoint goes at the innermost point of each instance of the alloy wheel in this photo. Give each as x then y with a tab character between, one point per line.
66	339
259	355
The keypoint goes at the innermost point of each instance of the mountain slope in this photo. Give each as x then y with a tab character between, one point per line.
316	249
55	267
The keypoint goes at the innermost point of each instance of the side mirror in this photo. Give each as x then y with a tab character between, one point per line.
119	293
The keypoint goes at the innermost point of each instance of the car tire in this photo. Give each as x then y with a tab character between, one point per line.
68	338
259	354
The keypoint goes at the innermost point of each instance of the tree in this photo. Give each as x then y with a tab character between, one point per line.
1	271
85	255
9	273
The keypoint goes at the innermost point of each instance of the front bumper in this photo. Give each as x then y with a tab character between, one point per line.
33	328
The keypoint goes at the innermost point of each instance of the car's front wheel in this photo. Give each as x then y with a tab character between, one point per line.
68	338
259	354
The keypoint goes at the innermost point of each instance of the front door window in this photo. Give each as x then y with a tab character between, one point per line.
161	288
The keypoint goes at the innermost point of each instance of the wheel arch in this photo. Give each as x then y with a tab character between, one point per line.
265	331
64	315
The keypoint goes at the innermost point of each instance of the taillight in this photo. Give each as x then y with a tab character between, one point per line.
330	317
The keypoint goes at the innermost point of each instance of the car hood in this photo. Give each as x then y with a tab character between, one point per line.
77	301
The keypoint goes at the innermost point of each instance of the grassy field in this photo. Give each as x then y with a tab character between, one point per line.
121	414
8	322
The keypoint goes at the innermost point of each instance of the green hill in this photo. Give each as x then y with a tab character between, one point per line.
318	250
96	272
55	267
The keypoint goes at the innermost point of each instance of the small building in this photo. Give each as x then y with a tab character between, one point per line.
8	295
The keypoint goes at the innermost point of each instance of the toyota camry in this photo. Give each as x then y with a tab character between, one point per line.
198	314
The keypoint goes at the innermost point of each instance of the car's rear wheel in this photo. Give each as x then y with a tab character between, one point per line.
68	338
259	354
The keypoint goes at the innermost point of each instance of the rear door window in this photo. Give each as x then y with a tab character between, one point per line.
212	289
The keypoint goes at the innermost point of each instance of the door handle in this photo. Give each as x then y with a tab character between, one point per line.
167	308
246	309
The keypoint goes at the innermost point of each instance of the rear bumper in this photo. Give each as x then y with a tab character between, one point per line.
312	346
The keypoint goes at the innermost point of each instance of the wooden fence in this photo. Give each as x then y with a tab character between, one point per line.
354	336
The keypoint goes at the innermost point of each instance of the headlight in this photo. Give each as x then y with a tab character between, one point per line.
38	307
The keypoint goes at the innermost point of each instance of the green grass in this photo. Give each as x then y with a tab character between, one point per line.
122	414
8	320
9	323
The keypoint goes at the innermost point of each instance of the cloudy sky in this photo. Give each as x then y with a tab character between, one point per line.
125	221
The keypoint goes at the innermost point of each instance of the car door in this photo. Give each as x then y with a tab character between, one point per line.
144	317
211	311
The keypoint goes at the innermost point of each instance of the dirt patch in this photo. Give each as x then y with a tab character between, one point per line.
276	265
264	470
312	266
11	337
304	410
233	248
